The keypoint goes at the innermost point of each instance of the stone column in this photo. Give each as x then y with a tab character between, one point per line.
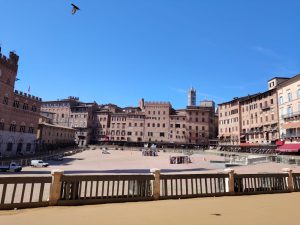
290	182
156	183
230	180
55	189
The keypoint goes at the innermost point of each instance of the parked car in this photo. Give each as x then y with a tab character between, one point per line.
38	163
105	152
12	167
68	153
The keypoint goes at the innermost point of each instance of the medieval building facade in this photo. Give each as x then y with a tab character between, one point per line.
19	112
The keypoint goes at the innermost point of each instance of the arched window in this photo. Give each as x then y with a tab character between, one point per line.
16	103
1	141
13	126
19	147
25	105
28	147
10	144
2	124
289	95
22	127
5	99
33	108
31	129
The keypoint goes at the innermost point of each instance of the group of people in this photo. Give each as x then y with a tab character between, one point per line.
180	159
149	152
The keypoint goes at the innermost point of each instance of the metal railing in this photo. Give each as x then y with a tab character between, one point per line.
289	115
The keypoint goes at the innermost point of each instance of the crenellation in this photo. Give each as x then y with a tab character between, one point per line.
11	62
31	97
13	58
157	103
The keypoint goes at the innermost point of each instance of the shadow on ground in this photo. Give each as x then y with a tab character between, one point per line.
65	161
117	171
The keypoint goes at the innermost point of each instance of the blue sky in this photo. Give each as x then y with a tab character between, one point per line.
119	51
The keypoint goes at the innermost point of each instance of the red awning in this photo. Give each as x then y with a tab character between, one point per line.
288	148
279	143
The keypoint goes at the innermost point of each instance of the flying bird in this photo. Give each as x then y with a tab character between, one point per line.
74	9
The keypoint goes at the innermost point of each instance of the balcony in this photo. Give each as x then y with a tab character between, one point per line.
265	107
81	134
270	129
291	115
250	132
291	133
288	136
274	127
253	131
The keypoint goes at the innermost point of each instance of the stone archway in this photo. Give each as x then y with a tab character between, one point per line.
1	145
10	143
20	146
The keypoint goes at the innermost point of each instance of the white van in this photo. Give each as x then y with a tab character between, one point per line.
38	163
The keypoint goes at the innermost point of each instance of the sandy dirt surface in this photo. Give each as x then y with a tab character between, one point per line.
94	162
275	209
133	162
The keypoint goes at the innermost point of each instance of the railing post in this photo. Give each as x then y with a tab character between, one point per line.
230	181
156	183
55	189
290	182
